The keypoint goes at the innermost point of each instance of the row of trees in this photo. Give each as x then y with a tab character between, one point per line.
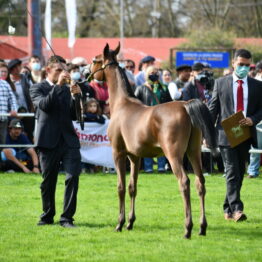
143	18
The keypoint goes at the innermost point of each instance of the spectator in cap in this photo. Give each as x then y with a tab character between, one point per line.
20	159
183	75
22	83
145	63
194	89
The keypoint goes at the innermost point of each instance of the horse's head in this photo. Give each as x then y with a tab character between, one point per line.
109	55
96	65
100	61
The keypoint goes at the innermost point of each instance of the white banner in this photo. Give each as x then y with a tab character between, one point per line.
71	14
48	26
95	145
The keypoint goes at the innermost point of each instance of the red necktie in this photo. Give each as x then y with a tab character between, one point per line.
240	96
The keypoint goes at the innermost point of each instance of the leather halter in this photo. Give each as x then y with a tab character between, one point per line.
103	67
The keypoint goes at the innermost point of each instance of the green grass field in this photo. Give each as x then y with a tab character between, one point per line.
158	230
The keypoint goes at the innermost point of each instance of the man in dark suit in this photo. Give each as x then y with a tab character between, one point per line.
56	139
233	93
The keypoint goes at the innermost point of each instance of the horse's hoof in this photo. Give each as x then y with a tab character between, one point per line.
129	227
202	232
187	236
118	229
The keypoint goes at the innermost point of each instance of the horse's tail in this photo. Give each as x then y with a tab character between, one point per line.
201	118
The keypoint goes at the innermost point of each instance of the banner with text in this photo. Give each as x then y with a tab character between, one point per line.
213	59
95	146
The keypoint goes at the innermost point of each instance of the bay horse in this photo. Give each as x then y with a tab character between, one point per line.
136	130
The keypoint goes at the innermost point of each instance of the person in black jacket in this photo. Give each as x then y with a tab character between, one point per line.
56	139
152	92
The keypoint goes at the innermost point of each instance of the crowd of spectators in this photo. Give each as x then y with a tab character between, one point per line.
151	85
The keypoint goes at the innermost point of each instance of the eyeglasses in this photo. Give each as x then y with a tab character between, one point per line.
130	67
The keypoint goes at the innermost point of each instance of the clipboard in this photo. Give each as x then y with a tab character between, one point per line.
235	133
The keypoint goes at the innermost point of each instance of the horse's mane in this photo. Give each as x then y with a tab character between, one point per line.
127	85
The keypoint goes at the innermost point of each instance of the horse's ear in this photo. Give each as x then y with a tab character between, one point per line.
106	50
117	49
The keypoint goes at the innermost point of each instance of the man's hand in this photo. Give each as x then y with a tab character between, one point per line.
63	78
26	170
75	89
246	122
13	113
36	170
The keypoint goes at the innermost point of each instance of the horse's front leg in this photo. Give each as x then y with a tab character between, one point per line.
132	188
120	165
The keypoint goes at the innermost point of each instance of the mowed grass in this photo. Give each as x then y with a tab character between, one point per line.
158	230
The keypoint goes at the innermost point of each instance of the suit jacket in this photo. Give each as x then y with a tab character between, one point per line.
222	105
190	91
54	112
25	83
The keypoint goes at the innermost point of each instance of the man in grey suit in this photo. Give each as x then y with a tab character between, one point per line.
56	140
233	93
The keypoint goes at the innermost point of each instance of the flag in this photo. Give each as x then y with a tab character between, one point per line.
71	14
48	27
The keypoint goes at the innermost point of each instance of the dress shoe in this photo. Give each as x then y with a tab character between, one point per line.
228	216
44	223
239	216
67	224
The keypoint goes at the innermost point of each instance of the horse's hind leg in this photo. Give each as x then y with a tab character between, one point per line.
184	186
120	164
134	168
194	155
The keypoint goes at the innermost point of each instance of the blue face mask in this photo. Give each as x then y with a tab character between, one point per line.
75	76
36	66
242	71
122	65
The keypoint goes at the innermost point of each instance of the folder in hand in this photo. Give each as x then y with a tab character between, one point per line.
235	133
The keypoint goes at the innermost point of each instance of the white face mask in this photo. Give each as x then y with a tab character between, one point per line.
75	76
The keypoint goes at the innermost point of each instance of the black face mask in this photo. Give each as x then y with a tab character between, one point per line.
153	77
